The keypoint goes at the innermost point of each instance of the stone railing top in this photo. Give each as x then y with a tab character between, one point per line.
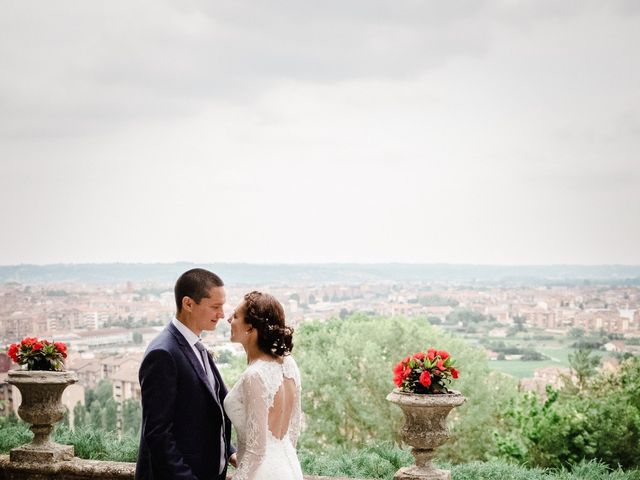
80	469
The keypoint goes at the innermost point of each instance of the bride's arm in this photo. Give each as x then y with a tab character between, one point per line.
254	395
295	423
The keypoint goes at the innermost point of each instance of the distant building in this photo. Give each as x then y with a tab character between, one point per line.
608	320
553	376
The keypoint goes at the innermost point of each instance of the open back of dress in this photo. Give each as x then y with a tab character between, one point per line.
264	407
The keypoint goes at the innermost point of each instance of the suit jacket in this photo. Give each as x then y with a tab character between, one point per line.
181	419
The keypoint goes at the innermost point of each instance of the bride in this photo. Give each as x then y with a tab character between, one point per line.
264	404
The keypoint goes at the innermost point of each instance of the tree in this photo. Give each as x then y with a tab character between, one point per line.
583	363
131	416
347	372
109	415
576	332
224	356
95	415
104	391
565	426
79	416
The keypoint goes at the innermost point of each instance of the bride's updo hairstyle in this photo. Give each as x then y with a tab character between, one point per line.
264	313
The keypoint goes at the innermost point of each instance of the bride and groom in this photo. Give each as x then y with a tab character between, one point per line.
187	412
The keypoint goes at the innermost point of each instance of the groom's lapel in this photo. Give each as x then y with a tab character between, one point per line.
191	356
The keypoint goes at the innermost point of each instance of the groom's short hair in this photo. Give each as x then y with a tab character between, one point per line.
195	284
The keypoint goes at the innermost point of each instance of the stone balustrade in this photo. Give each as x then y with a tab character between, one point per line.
79	469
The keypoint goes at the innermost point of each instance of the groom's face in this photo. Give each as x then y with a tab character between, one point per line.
206	314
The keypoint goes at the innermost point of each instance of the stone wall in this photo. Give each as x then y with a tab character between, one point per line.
79	469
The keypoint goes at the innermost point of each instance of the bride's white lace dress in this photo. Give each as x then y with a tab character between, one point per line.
263	455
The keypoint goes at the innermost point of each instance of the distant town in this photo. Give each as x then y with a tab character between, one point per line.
528	327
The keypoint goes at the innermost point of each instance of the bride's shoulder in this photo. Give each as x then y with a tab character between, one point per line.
252	373
259	368
288	360
290	367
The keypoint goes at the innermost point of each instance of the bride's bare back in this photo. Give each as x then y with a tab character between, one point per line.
282	408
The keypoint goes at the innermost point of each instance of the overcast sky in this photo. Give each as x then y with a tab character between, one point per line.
491	132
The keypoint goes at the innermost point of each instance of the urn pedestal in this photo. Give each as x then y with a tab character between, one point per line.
41	407
425	429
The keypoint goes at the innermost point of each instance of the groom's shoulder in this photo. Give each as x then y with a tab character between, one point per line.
165	340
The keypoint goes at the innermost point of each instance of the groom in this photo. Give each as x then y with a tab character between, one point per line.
185	432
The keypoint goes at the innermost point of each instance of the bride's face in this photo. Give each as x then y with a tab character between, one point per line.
239	327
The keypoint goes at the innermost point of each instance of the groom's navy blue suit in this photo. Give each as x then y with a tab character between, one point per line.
181	417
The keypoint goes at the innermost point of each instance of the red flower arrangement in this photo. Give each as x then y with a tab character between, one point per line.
38	354
425	372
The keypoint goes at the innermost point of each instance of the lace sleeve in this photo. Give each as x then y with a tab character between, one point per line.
256	413
295	423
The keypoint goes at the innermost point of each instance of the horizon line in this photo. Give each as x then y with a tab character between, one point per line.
328	263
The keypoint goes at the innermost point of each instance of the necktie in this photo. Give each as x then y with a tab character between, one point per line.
207	368
212	381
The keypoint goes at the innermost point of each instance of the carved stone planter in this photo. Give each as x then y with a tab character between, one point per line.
425	429
42	407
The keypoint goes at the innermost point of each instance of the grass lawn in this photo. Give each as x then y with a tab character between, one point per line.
558	357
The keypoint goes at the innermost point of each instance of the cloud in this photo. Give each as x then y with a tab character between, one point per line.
82	67
373	130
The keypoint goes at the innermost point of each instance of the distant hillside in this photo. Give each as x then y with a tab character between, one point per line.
258	274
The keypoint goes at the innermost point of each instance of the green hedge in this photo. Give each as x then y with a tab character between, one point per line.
379	461
382	461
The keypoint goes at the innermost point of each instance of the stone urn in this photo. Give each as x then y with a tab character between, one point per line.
425	429
41	407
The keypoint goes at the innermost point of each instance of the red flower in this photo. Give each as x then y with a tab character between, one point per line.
443	354
28	341
37	346
419	372
62	348
425	379
13	352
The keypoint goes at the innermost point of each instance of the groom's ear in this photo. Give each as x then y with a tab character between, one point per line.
187	303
